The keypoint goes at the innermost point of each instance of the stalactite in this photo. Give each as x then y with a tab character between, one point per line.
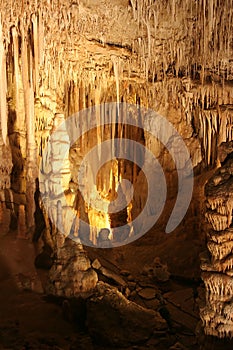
116	65
3	88
17	73
41	38
27	79
98	118
36	48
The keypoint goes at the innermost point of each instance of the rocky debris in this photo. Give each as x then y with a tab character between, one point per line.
96	264
160	270
125	273
107	311
157	270
112	276
108	275
130	278
217	262
177	307
113	320
147	293
121	301
131	285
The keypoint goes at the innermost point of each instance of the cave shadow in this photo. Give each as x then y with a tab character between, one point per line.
7	283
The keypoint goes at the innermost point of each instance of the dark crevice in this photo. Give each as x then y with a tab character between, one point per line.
111	44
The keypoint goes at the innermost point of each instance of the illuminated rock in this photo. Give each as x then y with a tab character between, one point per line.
71	273
217	264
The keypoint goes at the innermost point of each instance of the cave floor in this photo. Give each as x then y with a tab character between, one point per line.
28	320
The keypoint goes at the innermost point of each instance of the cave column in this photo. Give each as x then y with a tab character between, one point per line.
217	261
31	151
71	272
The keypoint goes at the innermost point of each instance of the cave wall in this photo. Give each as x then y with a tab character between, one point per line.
69	56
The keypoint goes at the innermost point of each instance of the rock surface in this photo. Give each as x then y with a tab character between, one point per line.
114	320
217	263
71	273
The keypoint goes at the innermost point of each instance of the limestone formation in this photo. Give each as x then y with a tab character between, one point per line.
70	57
217	265
71	274
58	58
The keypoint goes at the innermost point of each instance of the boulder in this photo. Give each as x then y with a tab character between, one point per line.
112	276
113	320
147	293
